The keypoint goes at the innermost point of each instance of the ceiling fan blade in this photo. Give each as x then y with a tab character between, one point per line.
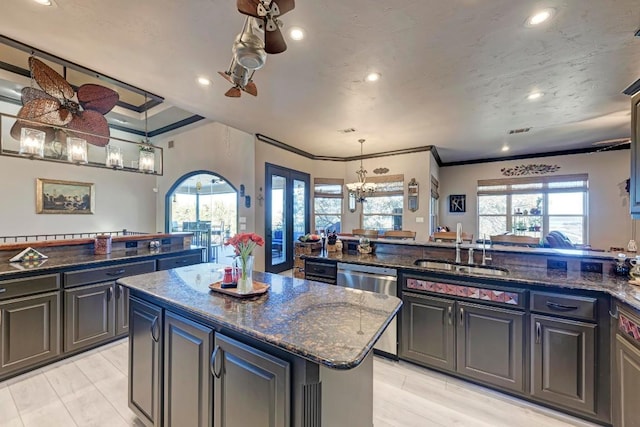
226	76
92	122
285	5
248	7
234	92
49	80
251	89
274	42
97	98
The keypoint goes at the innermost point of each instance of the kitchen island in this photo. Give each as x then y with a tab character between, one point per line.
299	355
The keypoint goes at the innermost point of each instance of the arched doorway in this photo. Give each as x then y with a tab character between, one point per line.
206	204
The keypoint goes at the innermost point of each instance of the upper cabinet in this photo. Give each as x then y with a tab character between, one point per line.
634	190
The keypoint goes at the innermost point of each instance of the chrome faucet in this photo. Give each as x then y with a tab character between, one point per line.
485	257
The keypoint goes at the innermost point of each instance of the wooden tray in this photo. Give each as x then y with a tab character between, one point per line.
259	288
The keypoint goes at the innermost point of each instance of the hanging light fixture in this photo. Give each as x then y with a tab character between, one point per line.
32	143
147	157
114	157
362	188
76	150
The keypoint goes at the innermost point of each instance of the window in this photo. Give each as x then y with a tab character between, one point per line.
383	210
327	205
534	206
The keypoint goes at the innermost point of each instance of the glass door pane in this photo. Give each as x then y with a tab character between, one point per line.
278	220
299	209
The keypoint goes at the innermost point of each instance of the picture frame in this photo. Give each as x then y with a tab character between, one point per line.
64	197
457	203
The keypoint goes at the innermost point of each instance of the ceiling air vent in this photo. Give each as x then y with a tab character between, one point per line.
347	130
514	131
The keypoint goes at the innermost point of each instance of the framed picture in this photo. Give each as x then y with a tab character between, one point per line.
64	197
457	203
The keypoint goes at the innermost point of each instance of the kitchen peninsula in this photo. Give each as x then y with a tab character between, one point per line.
287	358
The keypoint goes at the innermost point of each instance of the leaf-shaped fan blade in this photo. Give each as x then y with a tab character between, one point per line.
97	98
226	76
274	42
31	93
47	111
234	92
49	80
248	7
285	5
251	89
94	123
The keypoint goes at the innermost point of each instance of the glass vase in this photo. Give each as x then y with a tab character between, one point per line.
245	274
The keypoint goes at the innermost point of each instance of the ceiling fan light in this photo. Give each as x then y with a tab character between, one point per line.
373	77
44	2
540	17
296	33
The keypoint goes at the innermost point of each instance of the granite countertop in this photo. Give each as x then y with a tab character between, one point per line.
327	324
79	257
616	286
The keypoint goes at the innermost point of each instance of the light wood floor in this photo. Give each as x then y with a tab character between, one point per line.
91	390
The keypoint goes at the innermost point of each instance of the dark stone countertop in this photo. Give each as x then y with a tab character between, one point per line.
616	286
327	324
59	259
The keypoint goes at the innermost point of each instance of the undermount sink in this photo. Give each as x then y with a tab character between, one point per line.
460	268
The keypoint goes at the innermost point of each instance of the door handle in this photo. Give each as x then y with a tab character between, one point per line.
212	364
153	329
615	313
450	315
109	293
461	316
538	332
3	290
115	273
560	307
118	291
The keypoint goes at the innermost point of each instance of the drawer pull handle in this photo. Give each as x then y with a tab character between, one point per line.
118	291
450	315
560	307
153	329
109	294
181	261
212	365
3	290
538	332
116	273
461	316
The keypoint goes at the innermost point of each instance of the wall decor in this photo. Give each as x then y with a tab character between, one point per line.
64	197
380	171
412	192
532	169
457	203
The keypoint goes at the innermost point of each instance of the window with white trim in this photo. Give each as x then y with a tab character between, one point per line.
535	206
327	204
383	210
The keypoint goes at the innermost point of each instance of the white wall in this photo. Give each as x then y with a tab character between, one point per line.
609	218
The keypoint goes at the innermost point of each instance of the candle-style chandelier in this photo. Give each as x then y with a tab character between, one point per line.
362	188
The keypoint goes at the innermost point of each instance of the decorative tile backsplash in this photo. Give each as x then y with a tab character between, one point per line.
511	298
629	327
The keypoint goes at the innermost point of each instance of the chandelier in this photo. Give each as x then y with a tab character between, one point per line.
362	188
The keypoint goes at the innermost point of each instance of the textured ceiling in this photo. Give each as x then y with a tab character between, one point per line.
455	74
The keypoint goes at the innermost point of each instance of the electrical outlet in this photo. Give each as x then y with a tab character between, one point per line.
130	245
243	227
591	267
553	264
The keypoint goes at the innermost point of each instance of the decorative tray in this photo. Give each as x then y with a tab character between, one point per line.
259	288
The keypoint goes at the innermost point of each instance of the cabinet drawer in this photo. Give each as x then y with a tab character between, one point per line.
28	285
179	261
105	274
320	269
564	305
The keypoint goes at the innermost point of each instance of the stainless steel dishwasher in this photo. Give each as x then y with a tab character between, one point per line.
373	279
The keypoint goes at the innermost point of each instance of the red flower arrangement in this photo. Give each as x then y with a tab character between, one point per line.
244	243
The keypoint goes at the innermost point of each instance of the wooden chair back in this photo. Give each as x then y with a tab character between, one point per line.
450	236
516	240
399	234
372	234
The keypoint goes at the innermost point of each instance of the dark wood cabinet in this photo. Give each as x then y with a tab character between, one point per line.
252	388
188	383
29	331
145	361
563	365
634	188
490	345
179	261
428	332
89	315
627	383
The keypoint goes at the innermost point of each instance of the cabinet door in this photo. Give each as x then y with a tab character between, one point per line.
180	261
145	361
563	362
428	331
88	315
251	387
627	384
490	345
29	331
122	310
188	383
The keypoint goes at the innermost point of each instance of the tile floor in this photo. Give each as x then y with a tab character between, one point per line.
91	390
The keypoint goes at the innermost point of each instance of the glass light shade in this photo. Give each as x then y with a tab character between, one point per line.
114	157
32	142
76	150
146	161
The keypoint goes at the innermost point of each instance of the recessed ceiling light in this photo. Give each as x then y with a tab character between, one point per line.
535	95
373	77
540	17
505	148
204	81
44	2
296	33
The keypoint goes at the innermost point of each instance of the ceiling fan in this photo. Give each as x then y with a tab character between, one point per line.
249	49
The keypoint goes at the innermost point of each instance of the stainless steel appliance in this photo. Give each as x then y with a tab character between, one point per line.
373	279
